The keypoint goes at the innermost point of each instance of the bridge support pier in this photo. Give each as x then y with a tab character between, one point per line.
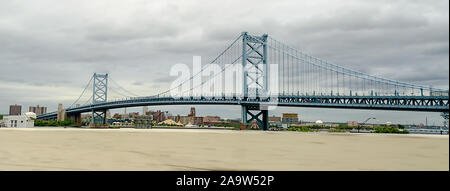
98	119
244	114
75	118
258	113
61	114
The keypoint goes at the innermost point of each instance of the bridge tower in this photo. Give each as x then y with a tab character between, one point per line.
100	95
255	78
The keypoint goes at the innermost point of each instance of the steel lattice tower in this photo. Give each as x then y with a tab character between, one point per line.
100	95
255	78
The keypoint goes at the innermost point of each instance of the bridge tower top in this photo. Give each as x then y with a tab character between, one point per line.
254	64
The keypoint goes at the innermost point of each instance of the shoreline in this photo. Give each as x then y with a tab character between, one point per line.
218	130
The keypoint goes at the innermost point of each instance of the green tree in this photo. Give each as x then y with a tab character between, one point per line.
401	126
387	129
42	123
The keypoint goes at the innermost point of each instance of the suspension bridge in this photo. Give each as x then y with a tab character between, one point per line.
270	73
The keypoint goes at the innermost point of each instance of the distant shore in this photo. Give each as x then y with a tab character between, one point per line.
58	148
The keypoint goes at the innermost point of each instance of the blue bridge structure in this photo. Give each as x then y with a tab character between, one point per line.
270	73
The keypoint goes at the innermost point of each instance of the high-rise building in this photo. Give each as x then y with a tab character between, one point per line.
38	110
144	110
192	114
61	113
158	116
108	114
15	109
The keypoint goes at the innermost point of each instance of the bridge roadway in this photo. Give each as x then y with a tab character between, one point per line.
401	103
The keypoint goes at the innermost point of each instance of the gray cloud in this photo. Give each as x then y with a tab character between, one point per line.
55	46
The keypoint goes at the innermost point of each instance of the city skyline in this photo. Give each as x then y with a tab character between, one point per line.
330	115
414	49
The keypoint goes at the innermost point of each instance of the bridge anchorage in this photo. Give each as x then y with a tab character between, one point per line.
273	74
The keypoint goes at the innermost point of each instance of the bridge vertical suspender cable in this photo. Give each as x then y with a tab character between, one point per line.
87	85
202	69
122	88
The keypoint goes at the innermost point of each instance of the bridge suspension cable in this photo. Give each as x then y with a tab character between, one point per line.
284	49
300	72
125	90
351	80
216	59
87	101
84	90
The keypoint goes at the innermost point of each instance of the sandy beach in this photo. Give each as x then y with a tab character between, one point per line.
182	149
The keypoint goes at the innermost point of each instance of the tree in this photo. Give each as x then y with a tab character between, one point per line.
445	115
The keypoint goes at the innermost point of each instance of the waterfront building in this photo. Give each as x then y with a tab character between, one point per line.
143	122
19	121
289	118
275	124
122	124
125	115
209	119
189	120
158	116
352	124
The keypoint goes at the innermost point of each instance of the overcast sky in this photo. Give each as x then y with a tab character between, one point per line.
49	49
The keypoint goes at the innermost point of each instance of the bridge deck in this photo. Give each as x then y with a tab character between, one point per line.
404	103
